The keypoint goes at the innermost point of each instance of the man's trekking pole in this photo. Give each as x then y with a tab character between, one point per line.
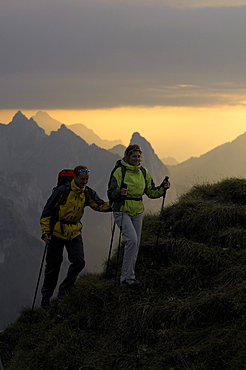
161	214
110	249
39	276
121	223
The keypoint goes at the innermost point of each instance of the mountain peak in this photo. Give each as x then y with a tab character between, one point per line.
63	127
64	133
20	119
22	126
41	113
44	118
140	140
19	116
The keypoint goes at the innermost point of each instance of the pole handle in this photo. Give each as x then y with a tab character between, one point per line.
124	196
166	179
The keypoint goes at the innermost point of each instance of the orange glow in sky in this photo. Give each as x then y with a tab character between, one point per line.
178	132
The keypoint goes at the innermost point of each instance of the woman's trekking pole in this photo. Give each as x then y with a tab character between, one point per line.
39	276
161	214
118	252
110	249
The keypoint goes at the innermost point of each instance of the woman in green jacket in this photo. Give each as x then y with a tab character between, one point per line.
126	187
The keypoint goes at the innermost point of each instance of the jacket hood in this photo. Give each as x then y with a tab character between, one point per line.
129	167
76	188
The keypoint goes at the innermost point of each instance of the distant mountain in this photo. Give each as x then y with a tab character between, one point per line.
118	149
150	159
49	124
224	161
45	121
29	162
90	137
169	161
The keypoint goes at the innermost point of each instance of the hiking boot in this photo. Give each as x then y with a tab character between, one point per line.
45	303
131	283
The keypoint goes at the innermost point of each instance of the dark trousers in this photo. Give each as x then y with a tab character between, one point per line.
54	260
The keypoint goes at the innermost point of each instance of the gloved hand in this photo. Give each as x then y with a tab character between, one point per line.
165	183
46	238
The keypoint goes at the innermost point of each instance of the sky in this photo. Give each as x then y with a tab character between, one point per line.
172	70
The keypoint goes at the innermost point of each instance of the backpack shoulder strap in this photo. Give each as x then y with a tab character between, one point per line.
63	198
143	169
66	192
87	195
123	171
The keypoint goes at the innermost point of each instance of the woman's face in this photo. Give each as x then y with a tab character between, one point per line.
134	158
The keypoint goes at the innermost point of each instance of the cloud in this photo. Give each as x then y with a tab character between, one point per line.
95	54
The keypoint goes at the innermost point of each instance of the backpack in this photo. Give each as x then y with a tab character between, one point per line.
123	171
64	176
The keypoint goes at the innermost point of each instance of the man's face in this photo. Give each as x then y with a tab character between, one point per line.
82	179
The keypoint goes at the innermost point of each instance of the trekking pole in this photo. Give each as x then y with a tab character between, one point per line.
161	214
39	276
110	249
121	223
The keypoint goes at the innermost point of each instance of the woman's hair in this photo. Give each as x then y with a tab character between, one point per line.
79	169
130	149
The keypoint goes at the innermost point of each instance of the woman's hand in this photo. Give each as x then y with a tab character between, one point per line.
166	185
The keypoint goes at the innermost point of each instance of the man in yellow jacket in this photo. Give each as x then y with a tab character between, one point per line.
61	226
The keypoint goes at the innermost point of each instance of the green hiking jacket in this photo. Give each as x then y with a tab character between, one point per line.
137	186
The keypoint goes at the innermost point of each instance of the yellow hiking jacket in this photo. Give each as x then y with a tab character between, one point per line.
63	220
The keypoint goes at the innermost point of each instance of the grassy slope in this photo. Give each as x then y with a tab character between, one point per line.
188	314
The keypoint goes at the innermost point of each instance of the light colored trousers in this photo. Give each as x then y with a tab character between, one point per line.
131	227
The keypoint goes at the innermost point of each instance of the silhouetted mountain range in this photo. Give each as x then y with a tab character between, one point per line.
224	161
118	149
49	124
169	161
30	161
